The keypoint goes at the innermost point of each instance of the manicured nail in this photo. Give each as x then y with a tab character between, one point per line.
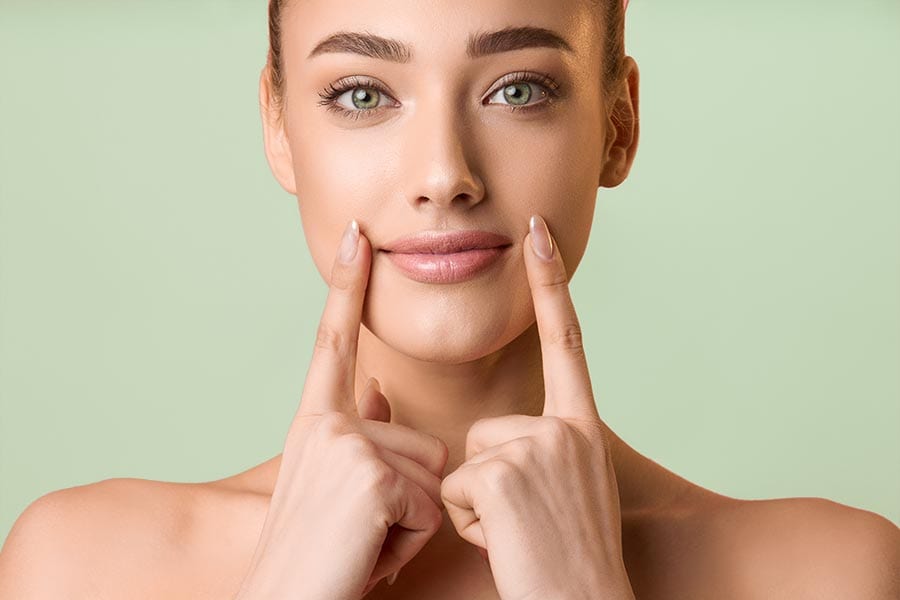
540	237
371	383
392	577
350	242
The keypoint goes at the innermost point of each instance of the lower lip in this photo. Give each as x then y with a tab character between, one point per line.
446	268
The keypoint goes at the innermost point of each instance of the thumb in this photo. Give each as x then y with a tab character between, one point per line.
372	404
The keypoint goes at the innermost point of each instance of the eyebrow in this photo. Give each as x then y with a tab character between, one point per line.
477	45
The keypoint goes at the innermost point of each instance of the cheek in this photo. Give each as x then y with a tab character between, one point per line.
332	190
549	168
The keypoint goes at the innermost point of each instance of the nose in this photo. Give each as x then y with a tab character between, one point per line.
439	150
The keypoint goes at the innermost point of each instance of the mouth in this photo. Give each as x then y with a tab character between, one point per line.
446	242
444	253
447	267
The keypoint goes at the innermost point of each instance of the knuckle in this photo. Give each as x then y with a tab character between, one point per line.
474	431
331	339
358	445
523	448
558	436
379	478
570	338
441	451
556	280
500	476
343	278
333	423
447	484
555	427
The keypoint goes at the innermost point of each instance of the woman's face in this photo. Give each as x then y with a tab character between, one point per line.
431	142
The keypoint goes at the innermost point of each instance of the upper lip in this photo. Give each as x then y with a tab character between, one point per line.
446	242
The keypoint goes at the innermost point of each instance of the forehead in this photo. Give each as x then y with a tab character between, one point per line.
430	31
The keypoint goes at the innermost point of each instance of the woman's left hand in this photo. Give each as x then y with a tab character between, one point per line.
538	495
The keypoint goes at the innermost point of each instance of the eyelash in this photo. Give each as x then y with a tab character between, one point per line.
331	93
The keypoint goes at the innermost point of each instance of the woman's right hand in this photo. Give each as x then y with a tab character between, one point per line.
356	498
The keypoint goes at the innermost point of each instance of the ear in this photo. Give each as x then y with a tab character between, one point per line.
623	127
278	152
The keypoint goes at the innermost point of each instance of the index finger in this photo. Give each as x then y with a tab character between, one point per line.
567	383
329	379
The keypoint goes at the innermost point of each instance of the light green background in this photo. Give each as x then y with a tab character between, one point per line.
740	294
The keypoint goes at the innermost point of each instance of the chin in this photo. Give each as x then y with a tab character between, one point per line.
444	334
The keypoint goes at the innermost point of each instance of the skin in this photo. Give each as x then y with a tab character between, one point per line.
436	156
441	157
432	165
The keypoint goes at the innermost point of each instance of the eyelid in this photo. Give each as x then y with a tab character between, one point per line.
334	90
340	87
541	79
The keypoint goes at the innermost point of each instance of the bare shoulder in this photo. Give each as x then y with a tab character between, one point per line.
88	535
102	538
802	548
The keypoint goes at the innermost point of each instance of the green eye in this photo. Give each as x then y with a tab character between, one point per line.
365	97
520	88
518	93
366	94
360	96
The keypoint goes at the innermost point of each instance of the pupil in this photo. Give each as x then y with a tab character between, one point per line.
361	94
512	92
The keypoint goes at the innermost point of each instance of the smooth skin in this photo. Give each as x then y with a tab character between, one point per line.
464	369
338	493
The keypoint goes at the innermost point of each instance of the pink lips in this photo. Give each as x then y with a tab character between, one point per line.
446	256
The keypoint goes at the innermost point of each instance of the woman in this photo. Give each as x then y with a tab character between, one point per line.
447	431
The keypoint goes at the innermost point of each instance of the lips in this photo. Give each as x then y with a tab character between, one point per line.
446	256
446	242
446	268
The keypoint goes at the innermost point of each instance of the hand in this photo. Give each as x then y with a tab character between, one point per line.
537	495
345	482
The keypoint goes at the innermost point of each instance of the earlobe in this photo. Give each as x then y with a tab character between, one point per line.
278	151
610	162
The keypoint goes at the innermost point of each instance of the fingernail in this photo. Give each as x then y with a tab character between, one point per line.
371	383
350	242
392	577
540	237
